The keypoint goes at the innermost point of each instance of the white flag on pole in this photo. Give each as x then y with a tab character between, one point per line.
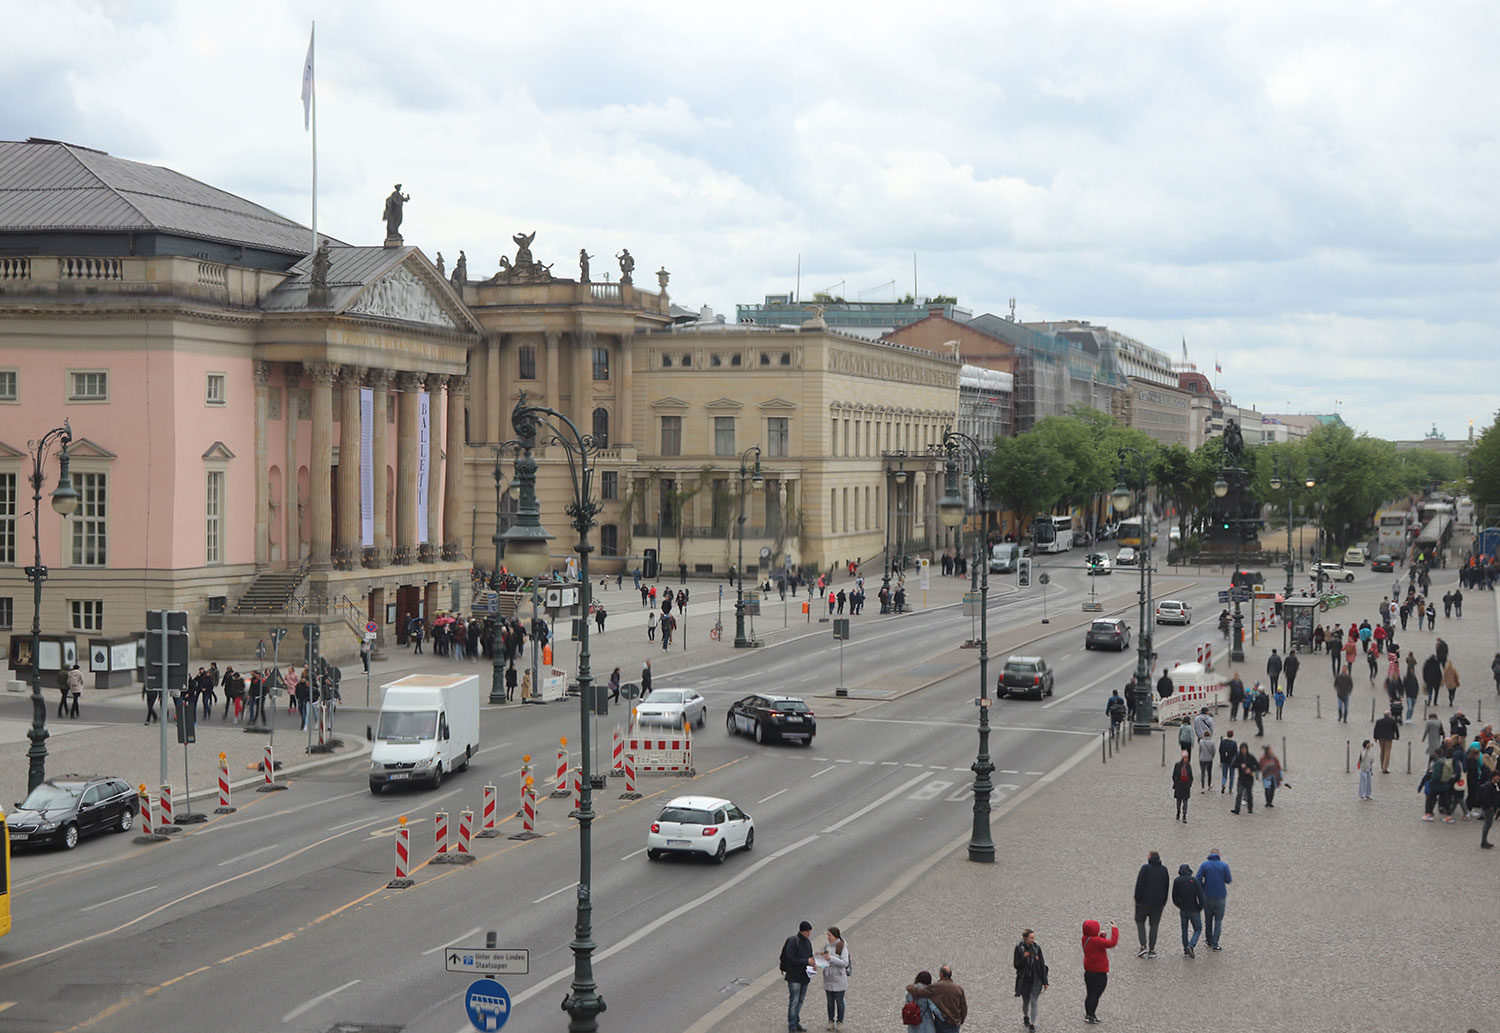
307	83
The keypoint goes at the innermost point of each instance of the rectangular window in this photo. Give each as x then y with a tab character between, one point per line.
88	614
8	483
526	362
724	436
601	363
833	510
10	385
214	392
89	529
88	386
609	484
778	434
7	611
671	435
721	506
847	449
213	518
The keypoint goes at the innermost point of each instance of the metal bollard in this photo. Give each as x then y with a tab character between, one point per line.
1318	705
1372	710
1164	747
1103	747
1408	756
1346	756
1284	762
1111	744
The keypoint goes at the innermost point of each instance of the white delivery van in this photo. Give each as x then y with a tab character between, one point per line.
428	727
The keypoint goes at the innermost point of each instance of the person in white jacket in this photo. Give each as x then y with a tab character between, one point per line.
835	958
1366	770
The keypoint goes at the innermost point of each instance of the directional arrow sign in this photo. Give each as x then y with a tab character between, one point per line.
504	961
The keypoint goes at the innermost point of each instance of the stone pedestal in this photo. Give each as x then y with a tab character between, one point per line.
395	240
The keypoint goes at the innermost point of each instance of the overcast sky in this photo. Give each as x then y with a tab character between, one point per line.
1305	191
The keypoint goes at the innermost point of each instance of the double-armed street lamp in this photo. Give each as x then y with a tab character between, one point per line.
1310	482
65	503
497	665
1236	523
951	512
890	497
1121	498
757	482
528	554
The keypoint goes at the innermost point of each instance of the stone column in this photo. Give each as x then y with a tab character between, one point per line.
583	379
624	431
406	466
552	389
453	478
349	544
291	551
494	401
262	373
379	382
479	377
435	384
320	466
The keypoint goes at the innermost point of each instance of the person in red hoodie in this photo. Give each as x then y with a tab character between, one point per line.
1096	965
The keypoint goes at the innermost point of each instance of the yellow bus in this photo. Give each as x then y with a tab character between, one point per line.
4	875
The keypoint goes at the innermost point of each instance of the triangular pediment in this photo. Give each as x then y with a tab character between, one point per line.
404	293
723	403
669	403
9	452
777	403
218	450
83	448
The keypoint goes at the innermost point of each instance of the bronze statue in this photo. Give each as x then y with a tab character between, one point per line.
1234	441
627	265
393	212
523	247
460	270
583	265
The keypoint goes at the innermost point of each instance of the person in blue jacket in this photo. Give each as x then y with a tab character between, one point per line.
1214	877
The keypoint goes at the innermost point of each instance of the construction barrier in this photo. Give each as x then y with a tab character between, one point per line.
525	781
1206	655
269	766
440	831
487	814
578	788
617	754
145	811
661	756
403	856
165	804
465	824
630	790
528	813
1193	688
561	787
554	683
224	807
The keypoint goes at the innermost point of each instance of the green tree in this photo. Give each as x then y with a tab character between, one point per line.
1023	476
1484	467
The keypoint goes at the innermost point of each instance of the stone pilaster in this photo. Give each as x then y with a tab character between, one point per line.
453	479
406	466
494	396
624	431
292	514
478	395
350	547
552	390
436	382
320	466
262	374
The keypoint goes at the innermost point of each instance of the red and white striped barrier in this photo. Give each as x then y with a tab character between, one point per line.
630	792
465	824
528	808
165	804
440	831
270	766
487	813
656	756
1206	655
145	810
322	709
617	754
561	786
578	788
224	807
403	856
525	779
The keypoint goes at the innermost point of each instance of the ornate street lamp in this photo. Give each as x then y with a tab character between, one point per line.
758	483
1237	635
1121	499
65	503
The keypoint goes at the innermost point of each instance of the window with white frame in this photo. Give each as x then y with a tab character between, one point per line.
213	392
724	436
7	611
10	385
213	518
90	537
88	385
8	483
778	435
87	614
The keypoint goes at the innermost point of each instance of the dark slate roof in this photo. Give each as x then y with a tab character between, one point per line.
47	186
350	269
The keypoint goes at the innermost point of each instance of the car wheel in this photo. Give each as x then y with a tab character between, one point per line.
760	735
807	741
127	820
69	837
653	855
749	841
703	718
437	777
721	853
1088	646
1349	579
376	788
729	725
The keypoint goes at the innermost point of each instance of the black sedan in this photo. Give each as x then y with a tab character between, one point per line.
1024	676
60	811
772	717
1384	563
1112	632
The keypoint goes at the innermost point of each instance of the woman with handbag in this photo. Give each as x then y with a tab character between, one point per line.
1031	976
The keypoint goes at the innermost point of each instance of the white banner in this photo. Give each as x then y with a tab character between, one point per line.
367	467
424	455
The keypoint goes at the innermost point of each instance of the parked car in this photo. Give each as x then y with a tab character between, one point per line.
1333	571
62	810
1173	611
1354	556
771	717
1126	556
671	707
1112	632
1175	534
700	825
1097	562
1024	676
1383	562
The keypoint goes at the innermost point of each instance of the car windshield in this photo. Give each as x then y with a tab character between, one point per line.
47	797
407	725
685	815
1104	626
668	696
1171	604
795	706
1020	667
1094	557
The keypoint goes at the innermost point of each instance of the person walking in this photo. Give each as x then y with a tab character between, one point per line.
1280	698
1366	767
1410	687
948	997
1260	707
1187	895
1031	976
919	1014
796	956
1152	888
1387	731
1247	770
651	626
1450	680
1228	751
1207	750
1432	677
1488	798
835	976
1214	876
599	616
1273	669
614	686
1289	668
1343	688
646	679
1432	733
1495	670
1270	774
1236	695
1182	786
1096	966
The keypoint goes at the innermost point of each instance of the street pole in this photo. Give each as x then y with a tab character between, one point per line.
1121	498
757	481
64	502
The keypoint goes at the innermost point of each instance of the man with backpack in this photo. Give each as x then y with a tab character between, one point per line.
796	956
1116	709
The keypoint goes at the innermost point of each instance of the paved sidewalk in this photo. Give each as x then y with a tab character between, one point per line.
1342	916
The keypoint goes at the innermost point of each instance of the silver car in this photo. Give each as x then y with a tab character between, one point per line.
1173	611
671	707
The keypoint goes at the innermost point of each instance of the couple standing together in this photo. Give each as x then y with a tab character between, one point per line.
798	964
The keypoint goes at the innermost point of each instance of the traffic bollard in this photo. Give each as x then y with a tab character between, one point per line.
578	789
617	754
440	831
1372	710
145	810
269	764
528	814
488	817
403	857
525	781
224	807
560	788
1408	756
1103	747
165	804
465	824
1318	704
1164	747
1346	756
630	790
1284	762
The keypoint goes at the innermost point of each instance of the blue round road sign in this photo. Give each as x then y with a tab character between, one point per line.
488	1004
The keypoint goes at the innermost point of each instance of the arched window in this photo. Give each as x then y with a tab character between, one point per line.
601	426
609	540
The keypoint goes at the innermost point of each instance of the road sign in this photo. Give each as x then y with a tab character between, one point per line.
488	1005
175	623
497	961
841	627
972	604
371	627
1045	579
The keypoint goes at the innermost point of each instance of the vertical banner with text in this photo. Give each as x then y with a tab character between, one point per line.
367	467
424	457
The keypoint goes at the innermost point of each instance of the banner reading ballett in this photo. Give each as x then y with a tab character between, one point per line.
367	467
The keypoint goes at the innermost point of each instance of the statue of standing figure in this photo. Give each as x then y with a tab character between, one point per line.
460	270
583	265
322	261
627	265
393	212
441	271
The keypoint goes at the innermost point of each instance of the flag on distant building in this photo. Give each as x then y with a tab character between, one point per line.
307	83
1218	368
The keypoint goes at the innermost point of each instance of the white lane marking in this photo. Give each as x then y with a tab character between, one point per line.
771	797
841	761
867	762
636	853
19	883
1008	771
820	758
887	798
308	1006
961	724
554	893
252	853
1038	773
345	825
460	938
890	763
931	791
825	771
915	765
116	900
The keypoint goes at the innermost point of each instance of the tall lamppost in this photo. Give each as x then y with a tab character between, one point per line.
951	512
890	499
757	482
1121	499
1236	523
497	659
528	555
1276	486
64	502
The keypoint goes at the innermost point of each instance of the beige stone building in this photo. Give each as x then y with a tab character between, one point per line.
1162	413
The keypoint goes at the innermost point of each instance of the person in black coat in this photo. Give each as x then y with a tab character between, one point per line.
1432	677
1164	685
1182	784
1260	708
1152	887
1187	894
1228	751
1031	976
1289	668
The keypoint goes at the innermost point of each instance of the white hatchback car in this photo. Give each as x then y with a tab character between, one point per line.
1173	611
671	707
700	825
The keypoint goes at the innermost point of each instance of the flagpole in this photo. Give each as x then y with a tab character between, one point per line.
312	42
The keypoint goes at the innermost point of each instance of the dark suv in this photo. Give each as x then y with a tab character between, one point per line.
1110	632
1025	676
58	812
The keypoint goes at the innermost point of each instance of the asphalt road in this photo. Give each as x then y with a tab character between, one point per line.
277	917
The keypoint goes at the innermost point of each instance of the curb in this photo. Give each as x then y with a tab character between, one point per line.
361	748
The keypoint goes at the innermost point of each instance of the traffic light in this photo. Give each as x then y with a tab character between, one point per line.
1023	572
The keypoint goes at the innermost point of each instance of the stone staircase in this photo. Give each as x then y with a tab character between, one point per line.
270	591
